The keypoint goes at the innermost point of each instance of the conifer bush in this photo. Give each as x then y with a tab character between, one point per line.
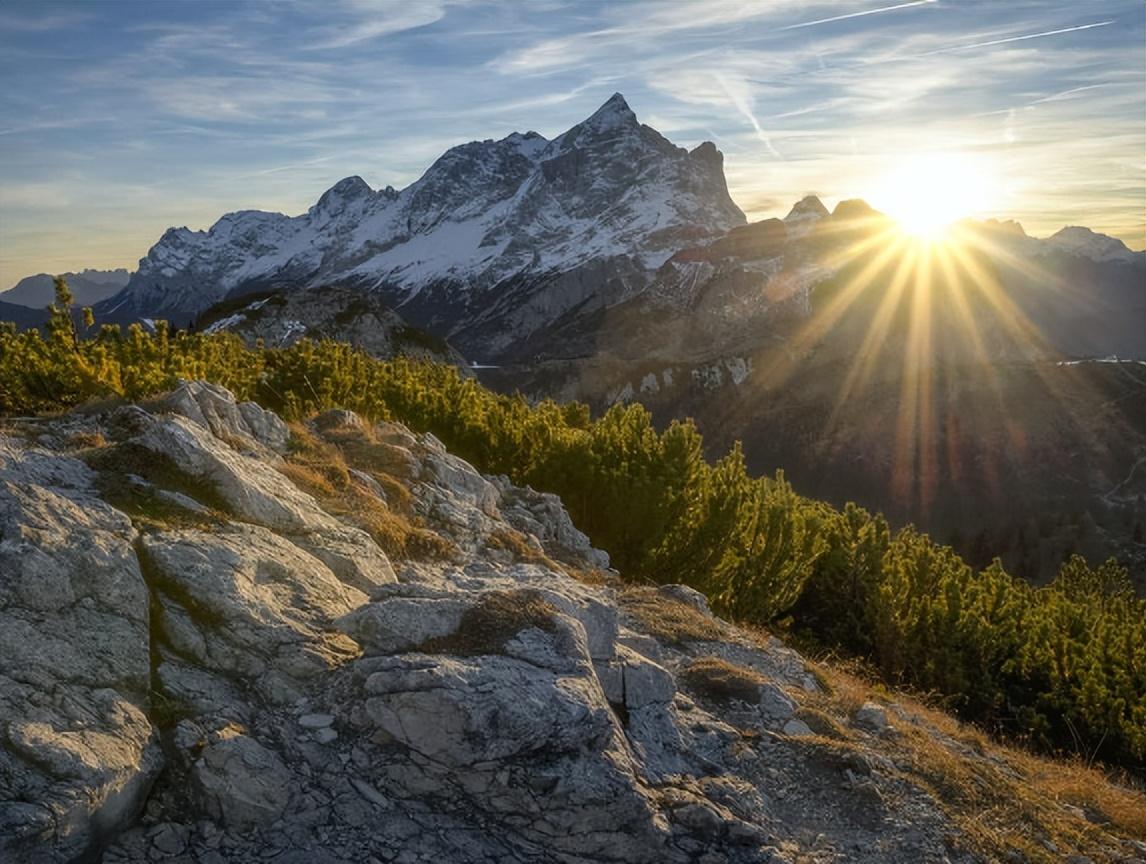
1063	667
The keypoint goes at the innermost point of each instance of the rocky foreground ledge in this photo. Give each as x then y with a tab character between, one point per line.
202	662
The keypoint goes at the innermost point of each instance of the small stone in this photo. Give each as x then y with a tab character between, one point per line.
168	838
775	703
325	735
367	791
686	595
872	717
315	721
797	728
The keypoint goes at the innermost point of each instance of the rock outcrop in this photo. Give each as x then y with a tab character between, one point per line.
229	672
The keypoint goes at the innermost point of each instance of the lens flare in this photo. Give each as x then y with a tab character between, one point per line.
926	194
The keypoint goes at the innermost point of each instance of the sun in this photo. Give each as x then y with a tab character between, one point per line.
925	194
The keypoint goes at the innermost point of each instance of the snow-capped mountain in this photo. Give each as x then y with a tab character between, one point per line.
495	239
1090	244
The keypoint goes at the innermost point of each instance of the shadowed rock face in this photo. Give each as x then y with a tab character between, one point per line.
311	697
340	312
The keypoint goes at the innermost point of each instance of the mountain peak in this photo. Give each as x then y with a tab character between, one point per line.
853	208
347	189
1091	244
808	207
614	114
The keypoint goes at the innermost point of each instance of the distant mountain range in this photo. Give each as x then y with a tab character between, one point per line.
608	264
88	288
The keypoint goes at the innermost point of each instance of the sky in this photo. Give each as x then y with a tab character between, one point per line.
120	119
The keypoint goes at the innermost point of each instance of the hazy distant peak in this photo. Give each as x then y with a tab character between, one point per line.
808	207
853	208
1090	244
1007	226
88	287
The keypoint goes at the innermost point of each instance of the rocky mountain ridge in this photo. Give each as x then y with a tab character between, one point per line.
202	662
279	319
506	223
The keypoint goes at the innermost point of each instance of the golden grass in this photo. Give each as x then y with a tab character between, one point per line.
593	576
515	544
87	440
718	680
1002	799
670	620
322	469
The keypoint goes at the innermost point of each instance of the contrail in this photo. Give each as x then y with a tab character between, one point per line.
1013	39
1054	97
859	14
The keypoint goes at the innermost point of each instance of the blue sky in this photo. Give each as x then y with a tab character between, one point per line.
119	119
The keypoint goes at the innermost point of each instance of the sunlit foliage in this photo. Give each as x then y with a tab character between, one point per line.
1063	667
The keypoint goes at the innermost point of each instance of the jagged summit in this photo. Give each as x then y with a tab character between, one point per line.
341	193
804	214
614	113
808	207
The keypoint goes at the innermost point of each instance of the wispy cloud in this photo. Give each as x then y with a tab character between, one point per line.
13	22
363	20
180	112
849	15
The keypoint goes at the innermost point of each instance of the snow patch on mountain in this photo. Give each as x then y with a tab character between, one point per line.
522	209
1090	244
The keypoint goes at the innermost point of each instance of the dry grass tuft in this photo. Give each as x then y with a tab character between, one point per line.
308	479
322	468
515	543
593	576
718	680
823	724
670	620
87	440
496	618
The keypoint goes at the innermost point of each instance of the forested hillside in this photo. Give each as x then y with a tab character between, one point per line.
1062	667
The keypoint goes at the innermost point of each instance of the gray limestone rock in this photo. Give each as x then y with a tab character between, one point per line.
241	783
77	751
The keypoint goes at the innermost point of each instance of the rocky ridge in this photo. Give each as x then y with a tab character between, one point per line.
280	319
202	663
501	233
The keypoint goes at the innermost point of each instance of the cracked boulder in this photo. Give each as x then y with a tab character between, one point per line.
245	603
77	751
255	492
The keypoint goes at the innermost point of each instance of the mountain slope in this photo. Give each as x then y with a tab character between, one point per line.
922	385
531	224
206	659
